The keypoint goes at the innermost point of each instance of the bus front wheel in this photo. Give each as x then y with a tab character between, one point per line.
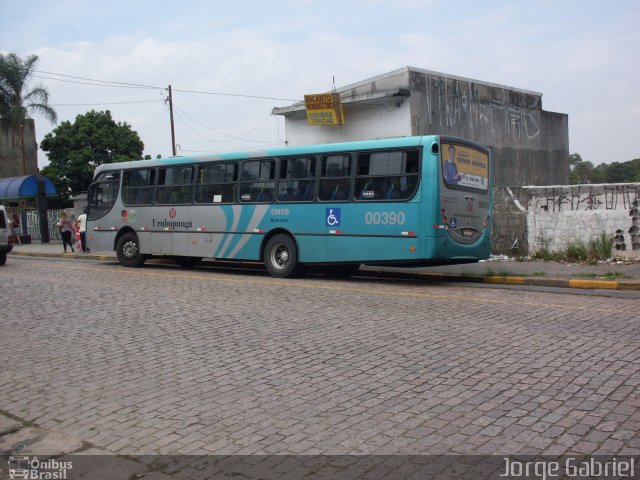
281	256
128	251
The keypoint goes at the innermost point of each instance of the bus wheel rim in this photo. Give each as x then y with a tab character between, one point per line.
280	257
130	249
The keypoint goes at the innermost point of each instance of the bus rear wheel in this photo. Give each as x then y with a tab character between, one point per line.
281	256
128	251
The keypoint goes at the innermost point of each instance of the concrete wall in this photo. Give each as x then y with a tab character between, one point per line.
556	216
11	163
32	223
509	225
530	146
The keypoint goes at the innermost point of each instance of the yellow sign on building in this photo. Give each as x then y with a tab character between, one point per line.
324	109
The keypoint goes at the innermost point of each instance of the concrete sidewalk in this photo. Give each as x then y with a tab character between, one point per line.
614	276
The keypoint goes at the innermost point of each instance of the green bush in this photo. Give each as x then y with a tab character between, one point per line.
598	249
575	252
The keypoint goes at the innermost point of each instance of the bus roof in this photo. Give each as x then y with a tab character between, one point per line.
273	152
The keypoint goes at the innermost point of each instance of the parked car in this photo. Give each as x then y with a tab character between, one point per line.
5	233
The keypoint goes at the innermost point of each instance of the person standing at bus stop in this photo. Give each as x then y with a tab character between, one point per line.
15	229
81	225
66	229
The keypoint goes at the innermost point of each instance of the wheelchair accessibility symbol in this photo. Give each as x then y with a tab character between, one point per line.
332	217
453	223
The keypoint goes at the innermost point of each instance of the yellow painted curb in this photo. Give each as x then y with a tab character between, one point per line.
606	284
505	280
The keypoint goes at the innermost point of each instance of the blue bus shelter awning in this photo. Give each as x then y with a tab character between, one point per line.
25	187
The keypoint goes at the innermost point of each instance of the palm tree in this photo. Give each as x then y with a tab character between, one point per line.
16	100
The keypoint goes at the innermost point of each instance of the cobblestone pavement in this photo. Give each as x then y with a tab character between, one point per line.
166	360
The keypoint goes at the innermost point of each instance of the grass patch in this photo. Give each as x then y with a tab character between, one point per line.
596	249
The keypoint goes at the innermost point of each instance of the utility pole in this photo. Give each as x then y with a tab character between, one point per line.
173	133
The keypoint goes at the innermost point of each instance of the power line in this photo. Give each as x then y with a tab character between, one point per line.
131	85
216	131
106	103
89	83
115	84
109	83
235	95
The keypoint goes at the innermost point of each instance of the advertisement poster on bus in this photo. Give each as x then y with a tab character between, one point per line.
465	166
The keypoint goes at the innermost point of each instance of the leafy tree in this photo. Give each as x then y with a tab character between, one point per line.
616	172
76	149
574	159
579	170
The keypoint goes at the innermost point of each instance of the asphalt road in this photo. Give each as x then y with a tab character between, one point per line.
167	360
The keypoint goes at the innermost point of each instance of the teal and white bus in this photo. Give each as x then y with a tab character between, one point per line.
411	201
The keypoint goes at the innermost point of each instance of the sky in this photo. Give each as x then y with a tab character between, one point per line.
251	56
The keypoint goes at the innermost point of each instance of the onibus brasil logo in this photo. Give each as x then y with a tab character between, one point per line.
25	467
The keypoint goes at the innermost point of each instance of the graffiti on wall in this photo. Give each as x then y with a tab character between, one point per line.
527	219
509	236
615	198
33	224
459	101
584	197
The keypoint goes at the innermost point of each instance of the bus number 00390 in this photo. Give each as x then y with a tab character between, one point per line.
384	218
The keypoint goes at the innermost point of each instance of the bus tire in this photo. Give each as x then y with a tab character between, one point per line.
128	251
281	256
188	262
3	259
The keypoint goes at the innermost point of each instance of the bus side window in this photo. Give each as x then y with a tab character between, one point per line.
137	187
297	179
387	175
217	183
335	178
257	182
175	185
